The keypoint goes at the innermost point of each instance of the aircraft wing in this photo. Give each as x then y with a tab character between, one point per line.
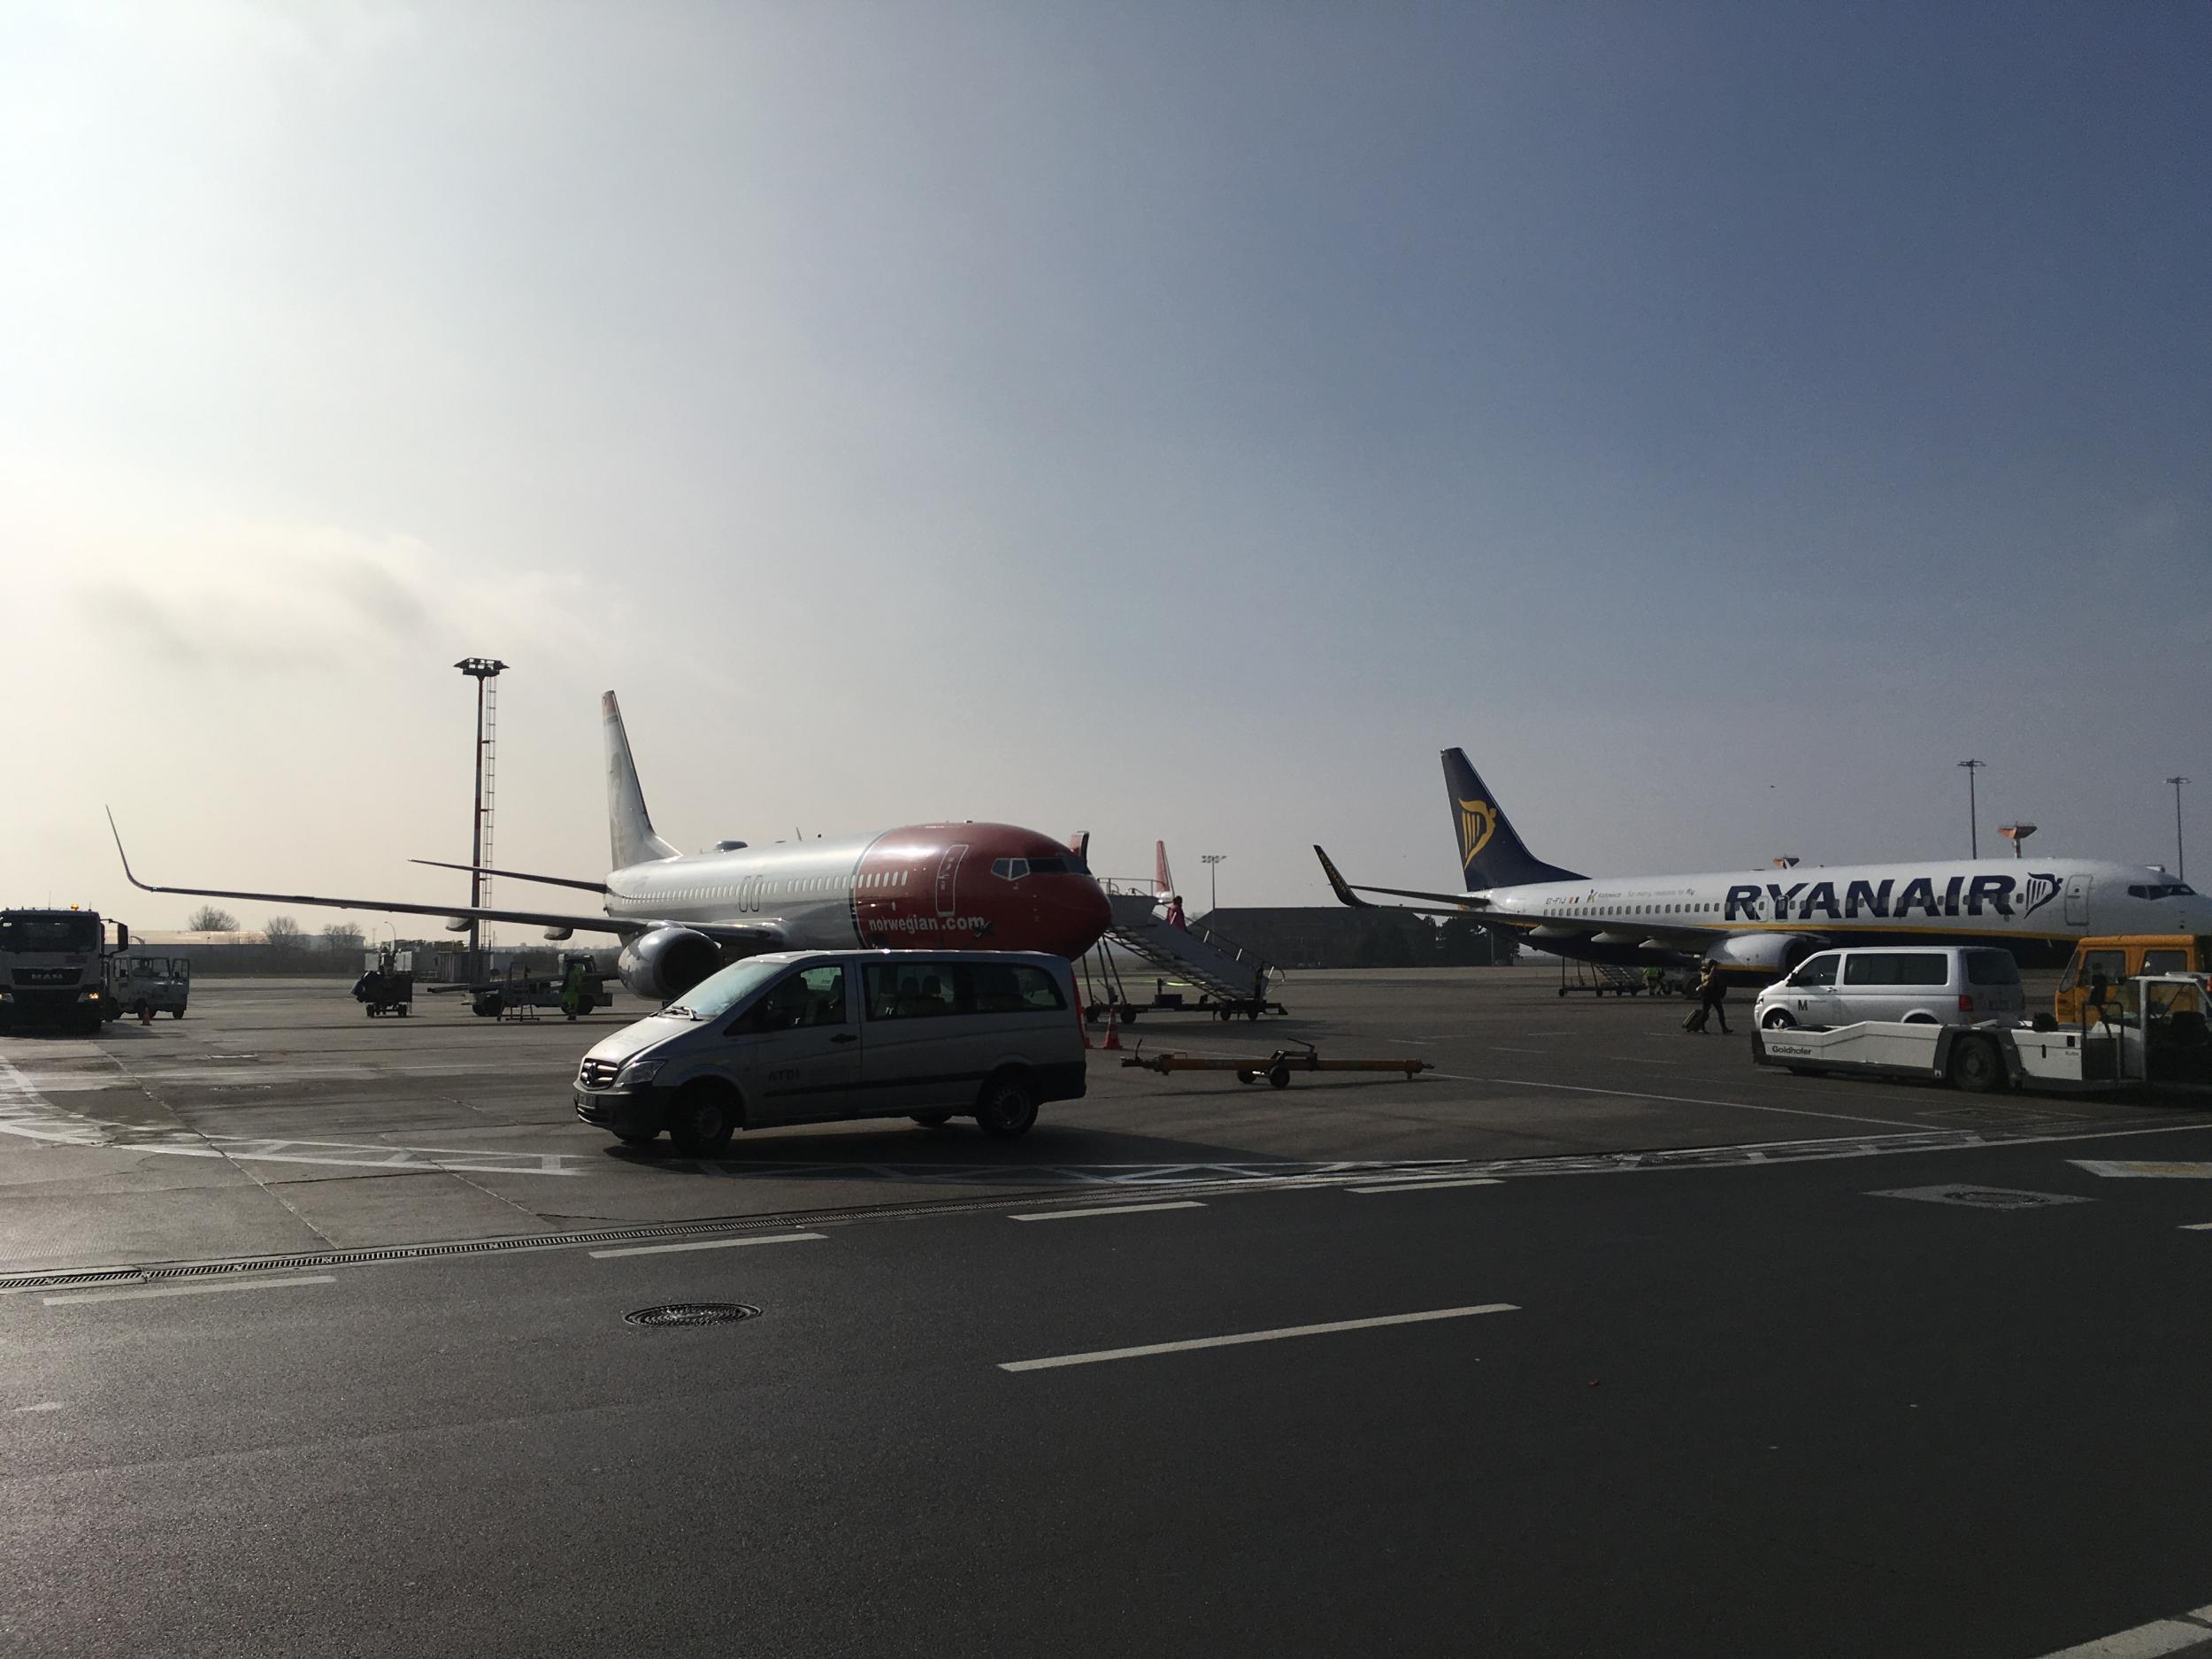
1439	903
761	935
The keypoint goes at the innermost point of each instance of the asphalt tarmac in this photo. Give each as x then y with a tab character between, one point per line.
1595	1340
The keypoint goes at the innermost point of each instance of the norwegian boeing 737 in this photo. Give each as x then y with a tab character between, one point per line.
1765	922
969	887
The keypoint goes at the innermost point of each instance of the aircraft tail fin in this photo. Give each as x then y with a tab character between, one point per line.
1491	855
1162	881
629	828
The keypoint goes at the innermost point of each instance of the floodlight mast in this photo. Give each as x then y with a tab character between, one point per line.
1973	817
483	671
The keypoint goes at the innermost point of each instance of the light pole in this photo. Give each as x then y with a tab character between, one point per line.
2015	834
1213	880
482	669
1973	817
2181	872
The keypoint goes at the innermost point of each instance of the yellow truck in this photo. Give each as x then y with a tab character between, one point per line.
2101	967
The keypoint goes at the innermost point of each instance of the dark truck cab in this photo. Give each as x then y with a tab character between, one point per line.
54	970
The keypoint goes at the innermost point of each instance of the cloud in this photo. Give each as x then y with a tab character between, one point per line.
272	599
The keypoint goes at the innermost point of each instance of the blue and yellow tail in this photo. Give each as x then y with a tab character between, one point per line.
1490	853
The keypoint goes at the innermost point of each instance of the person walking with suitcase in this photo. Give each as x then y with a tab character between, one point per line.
1711	997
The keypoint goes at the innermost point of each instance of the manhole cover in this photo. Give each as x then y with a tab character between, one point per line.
1984	1197
693	1313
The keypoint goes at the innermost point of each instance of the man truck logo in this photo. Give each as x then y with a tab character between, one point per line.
2040	891
1478	822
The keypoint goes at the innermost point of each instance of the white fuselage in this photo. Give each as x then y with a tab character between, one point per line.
2037	909
808	885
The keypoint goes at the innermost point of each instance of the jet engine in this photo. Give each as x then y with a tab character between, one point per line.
1763	953
665	963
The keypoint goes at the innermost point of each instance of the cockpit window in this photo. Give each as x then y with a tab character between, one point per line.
2161	890
1012	869
1047	867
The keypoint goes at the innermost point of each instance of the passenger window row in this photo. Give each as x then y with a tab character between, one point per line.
920	991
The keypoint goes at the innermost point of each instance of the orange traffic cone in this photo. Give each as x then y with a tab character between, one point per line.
1113	1026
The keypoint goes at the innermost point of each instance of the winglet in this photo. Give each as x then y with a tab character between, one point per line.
1343	888
120	853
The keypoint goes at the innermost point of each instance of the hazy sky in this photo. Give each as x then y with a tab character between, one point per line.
1169	421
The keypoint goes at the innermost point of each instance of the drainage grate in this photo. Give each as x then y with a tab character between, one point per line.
693	1313
1984	1197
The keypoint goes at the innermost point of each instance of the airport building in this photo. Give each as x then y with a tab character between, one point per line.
1335	936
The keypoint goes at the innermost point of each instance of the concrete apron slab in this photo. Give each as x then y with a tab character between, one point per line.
269	1118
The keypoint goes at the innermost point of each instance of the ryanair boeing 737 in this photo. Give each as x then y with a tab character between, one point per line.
1764	923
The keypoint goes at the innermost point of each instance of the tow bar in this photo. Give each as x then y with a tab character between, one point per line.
1276	1068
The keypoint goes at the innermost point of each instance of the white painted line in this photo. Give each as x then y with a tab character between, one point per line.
147	1292
1499	1048
43	1405
2196	1226
2142	1168
1150	1348
705	1244
1110	1209
1430	1187
1689	1100
2146	1641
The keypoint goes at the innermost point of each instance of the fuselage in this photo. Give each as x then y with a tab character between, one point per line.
2036	911
993	887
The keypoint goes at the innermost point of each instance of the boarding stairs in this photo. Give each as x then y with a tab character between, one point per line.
1229	975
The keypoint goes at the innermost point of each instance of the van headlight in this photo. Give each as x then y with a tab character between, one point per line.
638	1072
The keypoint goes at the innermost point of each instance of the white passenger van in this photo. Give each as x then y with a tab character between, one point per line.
820	1036
1941	985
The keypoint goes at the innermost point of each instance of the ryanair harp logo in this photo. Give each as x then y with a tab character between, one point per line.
1478	822
2041	889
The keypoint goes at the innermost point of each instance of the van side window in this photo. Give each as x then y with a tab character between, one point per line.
2167	961
1897	967
1818	974
812	996
910	990
1012	987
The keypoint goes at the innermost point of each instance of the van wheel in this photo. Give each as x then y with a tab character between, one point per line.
703	1119
1006	1108
933	1120
1778	1019
1977	1067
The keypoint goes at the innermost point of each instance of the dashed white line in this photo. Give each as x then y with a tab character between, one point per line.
146	1293
1106	1209
1430	1187
705	1244
43	1405
2146	1641
1242	1337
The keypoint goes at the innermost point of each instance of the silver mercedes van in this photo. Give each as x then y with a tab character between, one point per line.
821	1036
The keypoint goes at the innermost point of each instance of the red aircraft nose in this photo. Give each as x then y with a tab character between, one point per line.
1075	917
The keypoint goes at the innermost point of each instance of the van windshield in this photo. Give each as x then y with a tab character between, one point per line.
720	993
